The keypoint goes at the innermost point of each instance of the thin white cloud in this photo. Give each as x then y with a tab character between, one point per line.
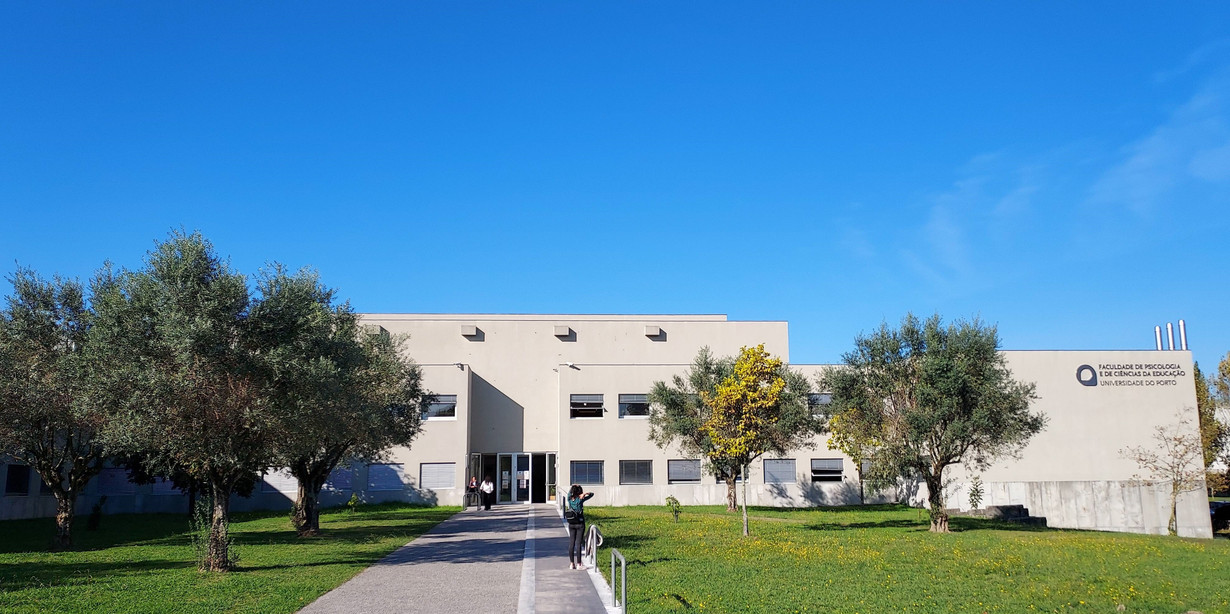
1212	165
1205	53
1190	145
946	236
855	242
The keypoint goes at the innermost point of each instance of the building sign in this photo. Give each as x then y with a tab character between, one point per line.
1130	374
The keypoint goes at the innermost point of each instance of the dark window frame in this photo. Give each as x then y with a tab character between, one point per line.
587	477
816	400
586	406
440	407
670	475
719	474
638	476
9	482
826	472
628	401
793	470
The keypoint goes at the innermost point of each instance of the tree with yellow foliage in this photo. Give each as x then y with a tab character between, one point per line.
746	408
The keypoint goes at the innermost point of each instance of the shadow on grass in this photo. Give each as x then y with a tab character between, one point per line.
625	541
881	524
956	524
962	524
681	600
35	535
26	575
872	507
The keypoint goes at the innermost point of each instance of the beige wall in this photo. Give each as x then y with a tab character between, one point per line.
517	367
442	440
520	384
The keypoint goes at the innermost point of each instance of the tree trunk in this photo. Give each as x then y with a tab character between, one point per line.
307	507
66	502
745	534
935	496
1172	527
218	558
862	498
732	495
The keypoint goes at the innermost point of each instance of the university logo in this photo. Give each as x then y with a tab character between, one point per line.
1086	375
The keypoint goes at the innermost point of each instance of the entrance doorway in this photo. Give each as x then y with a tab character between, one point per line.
513	483
520	477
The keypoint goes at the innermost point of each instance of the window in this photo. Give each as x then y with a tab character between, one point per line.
779	471
585	406
386	477
440	406
635	472
722	472
436	476
341	478
817	400
18	481
633	406
683	471
114	481
826	469
586	472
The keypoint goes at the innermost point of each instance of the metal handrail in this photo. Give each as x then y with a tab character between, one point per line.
617	601
622	601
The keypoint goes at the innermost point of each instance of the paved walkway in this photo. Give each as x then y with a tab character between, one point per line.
512	559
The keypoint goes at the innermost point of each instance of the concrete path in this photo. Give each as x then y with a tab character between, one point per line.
512	559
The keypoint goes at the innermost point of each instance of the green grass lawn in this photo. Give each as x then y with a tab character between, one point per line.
144	563
883	559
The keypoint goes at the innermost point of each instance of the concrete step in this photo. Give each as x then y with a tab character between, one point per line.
1008	513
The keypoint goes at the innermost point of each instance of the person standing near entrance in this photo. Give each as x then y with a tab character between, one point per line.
574	513
487	489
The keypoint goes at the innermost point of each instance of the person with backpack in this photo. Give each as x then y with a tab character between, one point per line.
574	513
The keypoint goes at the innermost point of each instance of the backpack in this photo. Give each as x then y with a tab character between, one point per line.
573	516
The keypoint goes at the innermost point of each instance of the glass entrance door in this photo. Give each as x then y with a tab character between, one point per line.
505	484
522	490
514	479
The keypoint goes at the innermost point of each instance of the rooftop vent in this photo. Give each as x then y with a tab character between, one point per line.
1157	336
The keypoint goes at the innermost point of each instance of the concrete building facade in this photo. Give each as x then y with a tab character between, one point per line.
538	402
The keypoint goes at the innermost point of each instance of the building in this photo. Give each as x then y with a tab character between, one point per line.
538	402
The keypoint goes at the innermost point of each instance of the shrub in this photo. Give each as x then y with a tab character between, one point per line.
975	492
672	504
91	523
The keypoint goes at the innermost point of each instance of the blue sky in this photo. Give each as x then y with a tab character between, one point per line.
1061	170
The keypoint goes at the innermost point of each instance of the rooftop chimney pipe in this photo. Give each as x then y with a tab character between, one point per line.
1182	336
1157	335
1170	334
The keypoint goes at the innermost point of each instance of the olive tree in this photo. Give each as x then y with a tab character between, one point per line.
347	393
183	375
46	420
933	396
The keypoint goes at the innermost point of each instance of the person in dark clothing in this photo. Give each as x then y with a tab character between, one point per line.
472	494
574	513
